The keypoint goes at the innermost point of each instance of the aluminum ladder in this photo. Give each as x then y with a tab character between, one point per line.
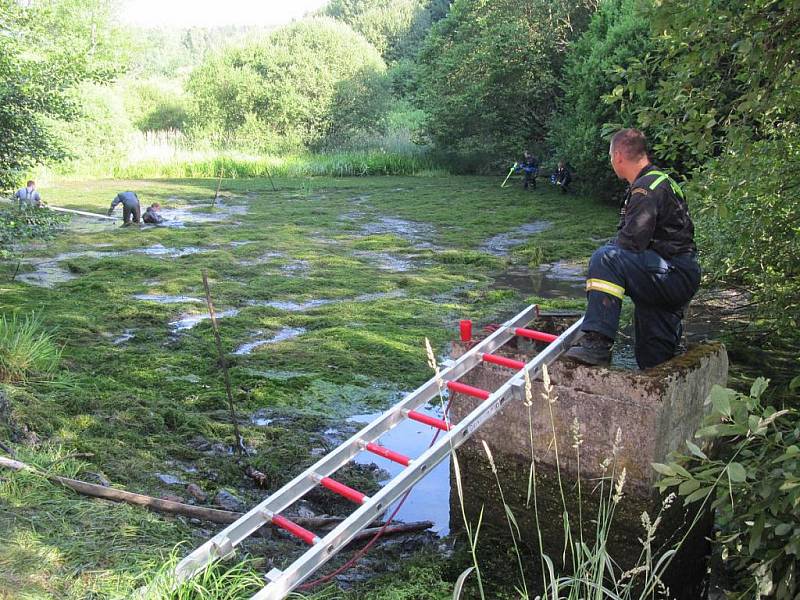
282	582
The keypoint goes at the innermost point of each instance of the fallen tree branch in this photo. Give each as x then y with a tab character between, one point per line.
393	530
214	515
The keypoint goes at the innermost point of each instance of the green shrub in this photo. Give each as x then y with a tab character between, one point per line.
310	80
755	488
617	34
488	77
27	223
26	349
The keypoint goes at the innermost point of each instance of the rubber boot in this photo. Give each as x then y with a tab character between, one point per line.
593	349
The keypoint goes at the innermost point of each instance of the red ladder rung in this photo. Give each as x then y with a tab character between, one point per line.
463	388
432	421
343	490
304	534
503	361
539	336
390	454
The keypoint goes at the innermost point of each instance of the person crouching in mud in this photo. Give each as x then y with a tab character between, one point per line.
131	209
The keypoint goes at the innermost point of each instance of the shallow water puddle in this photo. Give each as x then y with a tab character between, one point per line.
410	230
284	334
166	299
188	321
385	261
430	498
126	336
182	215
48	271
553	280
502	243
291	306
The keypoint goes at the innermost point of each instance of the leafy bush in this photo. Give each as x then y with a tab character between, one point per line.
20	224
306	81
488	77
155	104
755	487
617	33
26	349
747	215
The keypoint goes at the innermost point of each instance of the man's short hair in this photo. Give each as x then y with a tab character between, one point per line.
631	143
30	182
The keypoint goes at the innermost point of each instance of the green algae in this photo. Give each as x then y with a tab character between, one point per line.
135	405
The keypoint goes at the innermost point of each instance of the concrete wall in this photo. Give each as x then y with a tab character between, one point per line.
655	410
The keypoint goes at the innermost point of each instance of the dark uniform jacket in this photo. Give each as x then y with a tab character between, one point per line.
654	216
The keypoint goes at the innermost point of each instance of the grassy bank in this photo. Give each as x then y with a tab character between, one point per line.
358	271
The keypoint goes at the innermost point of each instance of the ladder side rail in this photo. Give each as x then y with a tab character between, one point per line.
235	533
341	535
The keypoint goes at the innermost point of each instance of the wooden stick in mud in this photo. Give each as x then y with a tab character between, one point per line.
224	517
214	515
14	276
219	185
392	530
272	183
224	365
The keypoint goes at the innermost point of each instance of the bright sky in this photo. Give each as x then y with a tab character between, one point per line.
213	13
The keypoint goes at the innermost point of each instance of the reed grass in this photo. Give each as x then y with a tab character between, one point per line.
26	349
172	155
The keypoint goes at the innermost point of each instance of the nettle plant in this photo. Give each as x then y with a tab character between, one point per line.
753	484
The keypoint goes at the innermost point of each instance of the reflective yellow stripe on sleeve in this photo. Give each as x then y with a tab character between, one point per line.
600	285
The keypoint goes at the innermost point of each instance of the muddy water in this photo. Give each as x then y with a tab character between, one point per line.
553	280
184	215
430	498
501	244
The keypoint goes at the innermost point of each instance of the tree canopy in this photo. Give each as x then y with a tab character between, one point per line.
47	48
488	76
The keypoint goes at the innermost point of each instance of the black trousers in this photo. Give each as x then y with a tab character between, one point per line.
660	289
530	179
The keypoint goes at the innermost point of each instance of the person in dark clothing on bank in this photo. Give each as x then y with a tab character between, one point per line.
530	166
562	177
131	209
653	260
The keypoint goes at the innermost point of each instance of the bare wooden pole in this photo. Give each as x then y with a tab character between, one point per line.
16	271
224	517
93	490
219	185
272	183
223	365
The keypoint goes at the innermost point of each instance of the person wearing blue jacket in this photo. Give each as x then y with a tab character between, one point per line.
530	166
131	209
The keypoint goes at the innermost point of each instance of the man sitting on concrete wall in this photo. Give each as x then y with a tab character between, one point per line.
653	260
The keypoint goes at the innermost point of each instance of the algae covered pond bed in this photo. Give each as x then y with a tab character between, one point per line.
324	301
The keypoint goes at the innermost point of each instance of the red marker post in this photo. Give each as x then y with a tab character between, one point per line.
466	330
